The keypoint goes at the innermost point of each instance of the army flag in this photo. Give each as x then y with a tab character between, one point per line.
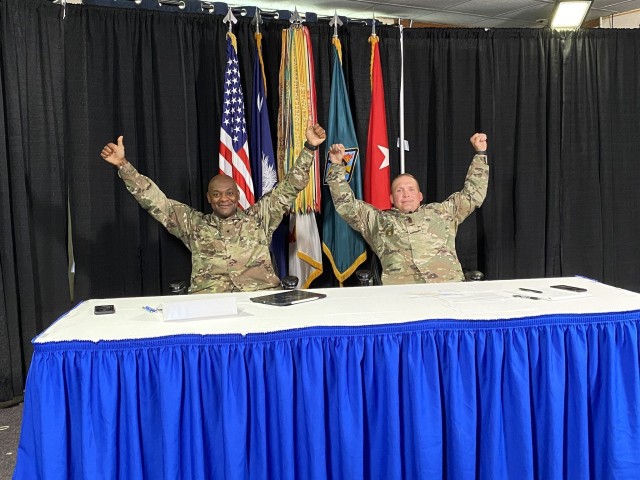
377	187
305	252
344	247
298	111
234	151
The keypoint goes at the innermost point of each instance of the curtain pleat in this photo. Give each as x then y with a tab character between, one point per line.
548	397
561	111
558	108
34	285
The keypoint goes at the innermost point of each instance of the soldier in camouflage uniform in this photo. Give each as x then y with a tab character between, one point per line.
229	248
415	243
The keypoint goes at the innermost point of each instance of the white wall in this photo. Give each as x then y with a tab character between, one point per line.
622	20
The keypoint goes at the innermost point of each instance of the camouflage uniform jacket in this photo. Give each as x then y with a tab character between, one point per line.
230	254
416	247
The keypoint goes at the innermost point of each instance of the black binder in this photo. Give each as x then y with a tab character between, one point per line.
288	297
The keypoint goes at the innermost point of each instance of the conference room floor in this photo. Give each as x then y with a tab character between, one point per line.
10	421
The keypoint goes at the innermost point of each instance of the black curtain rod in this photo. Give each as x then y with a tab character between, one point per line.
218	8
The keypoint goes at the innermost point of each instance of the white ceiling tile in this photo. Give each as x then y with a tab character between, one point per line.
495	8
506	23
531	13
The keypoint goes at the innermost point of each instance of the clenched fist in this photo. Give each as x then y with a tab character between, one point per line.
315	134
479	142
336	153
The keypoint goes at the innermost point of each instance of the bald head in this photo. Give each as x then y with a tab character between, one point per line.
223	195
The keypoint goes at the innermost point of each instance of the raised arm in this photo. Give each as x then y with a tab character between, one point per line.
278	202
114	154
358	214
175	216
463	203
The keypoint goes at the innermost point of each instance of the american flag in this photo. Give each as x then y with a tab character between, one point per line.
234	151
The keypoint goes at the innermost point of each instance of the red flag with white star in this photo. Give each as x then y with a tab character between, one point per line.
377	187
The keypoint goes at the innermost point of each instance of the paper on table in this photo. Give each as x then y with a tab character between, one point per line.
194	309
484	303
478	297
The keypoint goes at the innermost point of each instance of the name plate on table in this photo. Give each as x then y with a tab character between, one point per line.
199	309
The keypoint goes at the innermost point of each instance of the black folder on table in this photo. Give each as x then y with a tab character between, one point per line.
288	297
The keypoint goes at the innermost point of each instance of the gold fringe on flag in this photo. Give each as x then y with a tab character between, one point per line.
258	37
373	39
336	42
234	40
297	111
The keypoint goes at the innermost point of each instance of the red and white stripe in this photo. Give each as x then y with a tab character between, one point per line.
236	165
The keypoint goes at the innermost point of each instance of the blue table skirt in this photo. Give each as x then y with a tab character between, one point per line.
548	397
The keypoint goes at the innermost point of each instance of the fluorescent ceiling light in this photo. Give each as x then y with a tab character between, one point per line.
569	14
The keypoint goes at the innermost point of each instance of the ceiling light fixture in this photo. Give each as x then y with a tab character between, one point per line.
569	14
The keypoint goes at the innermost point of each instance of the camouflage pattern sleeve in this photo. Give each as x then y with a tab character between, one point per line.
358	214
461	204
278	201
175	216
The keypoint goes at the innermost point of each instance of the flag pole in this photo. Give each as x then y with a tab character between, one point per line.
257	20
335	23
373	23
296	18
233	157
401	140
230	19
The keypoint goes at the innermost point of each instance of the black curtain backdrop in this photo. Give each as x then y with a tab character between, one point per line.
562	112
34	286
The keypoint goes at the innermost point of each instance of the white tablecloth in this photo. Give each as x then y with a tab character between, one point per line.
356	306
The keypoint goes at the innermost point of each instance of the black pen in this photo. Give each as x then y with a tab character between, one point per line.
525	296
529	290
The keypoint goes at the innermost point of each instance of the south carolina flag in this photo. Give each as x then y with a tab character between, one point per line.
263	160
377	187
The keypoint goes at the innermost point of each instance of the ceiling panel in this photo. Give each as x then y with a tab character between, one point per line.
453	18
495	8
622	6
506	23
531	14
435	5
597	13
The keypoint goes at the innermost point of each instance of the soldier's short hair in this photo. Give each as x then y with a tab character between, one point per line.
404	175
